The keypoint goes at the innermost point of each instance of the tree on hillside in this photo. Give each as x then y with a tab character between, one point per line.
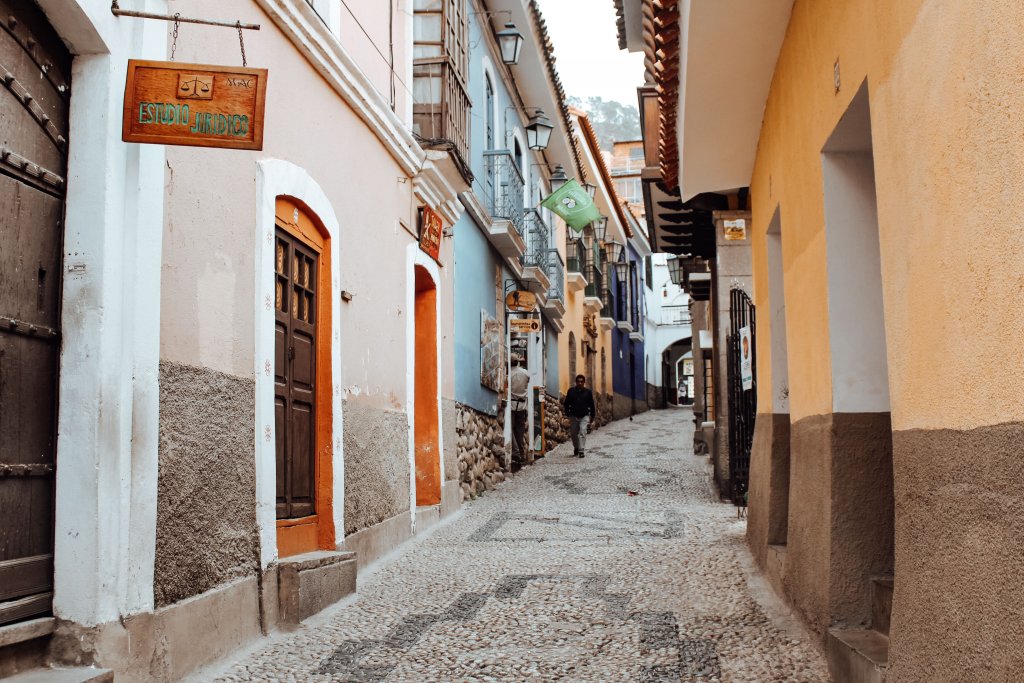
612	121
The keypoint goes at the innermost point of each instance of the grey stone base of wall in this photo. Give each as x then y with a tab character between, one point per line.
556	426
655	396
624	406
378	540
376	464
169	644
481	450
206	533
604	409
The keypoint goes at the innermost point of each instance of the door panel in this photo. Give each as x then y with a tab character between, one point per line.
34	97
295	376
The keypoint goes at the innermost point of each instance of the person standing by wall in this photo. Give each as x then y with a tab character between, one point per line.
519	386
579	407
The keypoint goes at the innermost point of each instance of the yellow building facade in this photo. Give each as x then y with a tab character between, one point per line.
881	141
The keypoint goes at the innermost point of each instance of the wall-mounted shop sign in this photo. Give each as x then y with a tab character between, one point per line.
524	325
198	105
521	300
735	230
431	226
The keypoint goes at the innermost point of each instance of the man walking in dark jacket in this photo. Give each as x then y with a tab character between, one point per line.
579	407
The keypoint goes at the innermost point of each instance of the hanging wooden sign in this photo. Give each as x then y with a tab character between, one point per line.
197	105
521	300
431	227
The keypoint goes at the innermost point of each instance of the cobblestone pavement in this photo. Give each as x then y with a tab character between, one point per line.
562	575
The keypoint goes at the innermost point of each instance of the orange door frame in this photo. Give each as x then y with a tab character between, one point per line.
426	435
316	531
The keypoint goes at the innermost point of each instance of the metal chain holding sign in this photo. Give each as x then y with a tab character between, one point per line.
174	34
241	43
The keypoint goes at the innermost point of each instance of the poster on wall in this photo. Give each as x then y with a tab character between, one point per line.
491	364
746	359
735	230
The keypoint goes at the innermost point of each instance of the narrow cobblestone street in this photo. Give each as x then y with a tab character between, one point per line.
562	575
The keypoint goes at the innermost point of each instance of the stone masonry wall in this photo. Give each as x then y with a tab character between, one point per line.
604	409
480	449
556	426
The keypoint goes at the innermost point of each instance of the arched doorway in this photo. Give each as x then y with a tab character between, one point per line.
35	108
426	433
303	409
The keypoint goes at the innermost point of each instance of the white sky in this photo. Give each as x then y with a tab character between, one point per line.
589	60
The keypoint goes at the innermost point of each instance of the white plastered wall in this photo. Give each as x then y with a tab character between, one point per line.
274	179
414	256
106	475
777	316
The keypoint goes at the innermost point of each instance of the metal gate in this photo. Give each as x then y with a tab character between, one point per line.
35	72
742	402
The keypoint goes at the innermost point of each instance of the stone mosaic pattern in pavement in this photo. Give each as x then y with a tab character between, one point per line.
561	575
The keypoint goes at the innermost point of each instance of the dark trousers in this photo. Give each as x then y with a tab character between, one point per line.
519	444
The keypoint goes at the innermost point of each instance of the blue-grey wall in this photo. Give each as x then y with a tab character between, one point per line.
623	347
474	291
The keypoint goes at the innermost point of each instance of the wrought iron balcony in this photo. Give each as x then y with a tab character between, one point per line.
503	188
595	274
538	240
606	306
556	273
440	113
576	256
675	315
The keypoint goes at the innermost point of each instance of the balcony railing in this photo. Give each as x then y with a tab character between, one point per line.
503	188
594	274
675	315
440	114
538	240
556	274
576	255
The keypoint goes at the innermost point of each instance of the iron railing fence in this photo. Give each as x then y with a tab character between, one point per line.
675	315
503	188
556	274
440	114
742	402
576	256
593	272
538	240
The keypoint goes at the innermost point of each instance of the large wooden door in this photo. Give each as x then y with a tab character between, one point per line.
297	277
35	72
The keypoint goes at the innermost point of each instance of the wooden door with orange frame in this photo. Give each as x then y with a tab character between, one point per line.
302	385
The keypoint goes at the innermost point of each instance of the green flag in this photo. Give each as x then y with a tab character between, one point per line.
574	205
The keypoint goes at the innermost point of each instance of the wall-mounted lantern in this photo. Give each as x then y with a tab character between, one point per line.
510	42
675	269
538	131
558	178
613	250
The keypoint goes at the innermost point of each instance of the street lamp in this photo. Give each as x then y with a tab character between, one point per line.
600	228
675	269
621	270
613	250
510	41
558	178
538	131
591	189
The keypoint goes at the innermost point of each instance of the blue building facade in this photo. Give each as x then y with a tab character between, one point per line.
504	243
